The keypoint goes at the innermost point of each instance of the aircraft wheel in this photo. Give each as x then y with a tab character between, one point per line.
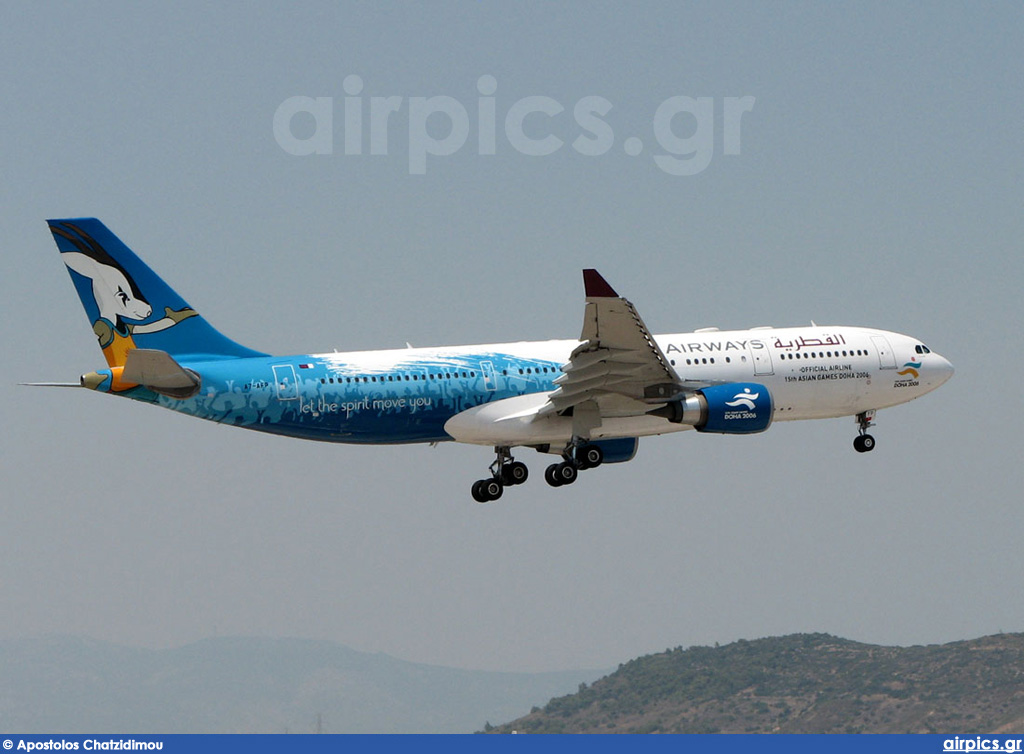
478	493
864	443
551	475
487	490
566	473
492	488
589	457
515	473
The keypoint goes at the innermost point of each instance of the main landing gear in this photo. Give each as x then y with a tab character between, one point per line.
578	457
508	472
505	472
864	442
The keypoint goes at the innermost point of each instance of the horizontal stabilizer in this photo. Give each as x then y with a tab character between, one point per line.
158	371
51	384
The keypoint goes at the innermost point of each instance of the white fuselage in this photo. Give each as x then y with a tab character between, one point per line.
812	373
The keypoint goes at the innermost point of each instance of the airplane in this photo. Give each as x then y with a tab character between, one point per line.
586	401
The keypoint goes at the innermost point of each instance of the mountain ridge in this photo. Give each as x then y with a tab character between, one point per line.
801	683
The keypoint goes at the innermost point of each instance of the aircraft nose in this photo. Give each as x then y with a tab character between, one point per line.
941	367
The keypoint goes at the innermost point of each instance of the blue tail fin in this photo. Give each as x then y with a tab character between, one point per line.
128	305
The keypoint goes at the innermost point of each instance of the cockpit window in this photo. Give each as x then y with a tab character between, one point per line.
921	349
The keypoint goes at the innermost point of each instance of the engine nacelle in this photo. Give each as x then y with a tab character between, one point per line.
736	408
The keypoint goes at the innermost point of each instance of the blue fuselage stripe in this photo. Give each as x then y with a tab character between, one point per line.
317	399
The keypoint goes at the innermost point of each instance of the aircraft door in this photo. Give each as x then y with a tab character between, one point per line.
489	375
286	384
762	357
886	357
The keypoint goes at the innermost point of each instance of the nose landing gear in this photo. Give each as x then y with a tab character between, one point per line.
864	442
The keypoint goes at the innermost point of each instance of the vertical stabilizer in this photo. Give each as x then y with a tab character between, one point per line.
130	306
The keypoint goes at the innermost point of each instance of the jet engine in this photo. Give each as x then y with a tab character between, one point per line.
736	408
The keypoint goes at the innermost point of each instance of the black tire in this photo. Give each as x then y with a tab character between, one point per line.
566	473
589	457
867	443
551	475
478	492
491	488
517	472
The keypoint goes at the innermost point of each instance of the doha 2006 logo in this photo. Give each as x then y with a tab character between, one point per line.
910	370
745	399
684	128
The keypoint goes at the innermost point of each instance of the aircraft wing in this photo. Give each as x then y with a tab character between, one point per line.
618	369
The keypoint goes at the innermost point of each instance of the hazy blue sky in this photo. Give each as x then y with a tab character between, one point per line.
878	182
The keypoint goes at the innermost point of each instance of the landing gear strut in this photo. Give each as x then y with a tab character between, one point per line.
864	442
578	456
505	472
